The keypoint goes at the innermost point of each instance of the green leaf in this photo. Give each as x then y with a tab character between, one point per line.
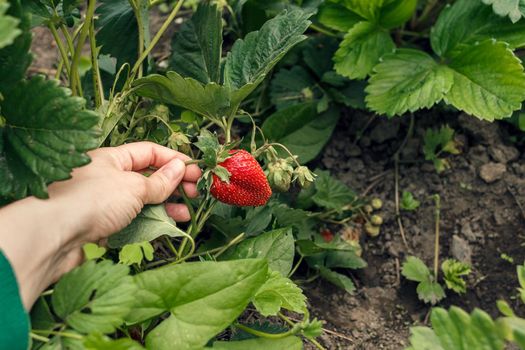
317	53
313	328
101	342
408	202
337	17
346	259
369	9
276	246
288	343
505	308
135	253
288	120
208	144
257	220
45	135
197	45
337	279
203	298
331	193
63	343
521	278
430	292
94	297
300	220
209	100
362	47
15	58
452	272
40	12
486	96
307	247
252	58
8	26
424	338
514	9
92	251
41	316
415	269
437	142
151	223
310	137
458	330
118	31
293	87
407	80
279	292
397	12
513	330
472	22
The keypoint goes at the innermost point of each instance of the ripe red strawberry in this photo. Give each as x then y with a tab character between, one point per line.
248	185
327	235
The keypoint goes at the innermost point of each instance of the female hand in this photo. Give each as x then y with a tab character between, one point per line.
43	239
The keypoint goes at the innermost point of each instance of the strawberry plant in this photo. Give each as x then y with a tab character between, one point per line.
468	40
456	329
252	91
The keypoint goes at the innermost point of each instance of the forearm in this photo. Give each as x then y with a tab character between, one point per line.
31	231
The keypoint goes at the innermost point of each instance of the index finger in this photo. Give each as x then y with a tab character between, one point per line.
140	155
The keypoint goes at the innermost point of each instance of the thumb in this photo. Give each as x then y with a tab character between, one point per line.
164	181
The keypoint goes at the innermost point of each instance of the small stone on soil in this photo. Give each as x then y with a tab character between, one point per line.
504	154
491	172
461	250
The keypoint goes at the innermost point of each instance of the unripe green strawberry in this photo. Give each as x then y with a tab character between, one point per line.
304	176
377	203
371	230
179	141
280	174
247	184
376	220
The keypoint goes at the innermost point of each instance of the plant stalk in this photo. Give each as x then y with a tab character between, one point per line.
156	38
61	48
138	17
97	80
264	334
437	210
76	87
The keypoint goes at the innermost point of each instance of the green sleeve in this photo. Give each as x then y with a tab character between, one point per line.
14	332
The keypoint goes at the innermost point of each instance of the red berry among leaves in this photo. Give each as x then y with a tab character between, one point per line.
327	235
248	184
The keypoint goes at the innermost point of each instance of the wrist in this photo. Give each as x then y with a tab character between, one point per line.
31	236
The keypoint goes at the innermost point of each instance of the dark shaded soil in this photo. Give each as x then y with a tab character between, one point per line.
480	221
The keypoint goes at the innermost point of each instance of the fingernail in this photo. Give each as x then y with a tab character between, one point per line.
174	170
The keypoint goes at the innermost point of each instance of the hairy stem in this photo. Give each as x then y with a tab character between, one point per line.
76	87
61	334
296	266
234	241
156	38
97	80
60	45
437	211
323	31
264	334
39	337
396	180
193	225
138	17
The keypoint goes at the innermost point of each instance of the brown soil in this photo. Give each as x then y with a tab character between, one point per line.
479	222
